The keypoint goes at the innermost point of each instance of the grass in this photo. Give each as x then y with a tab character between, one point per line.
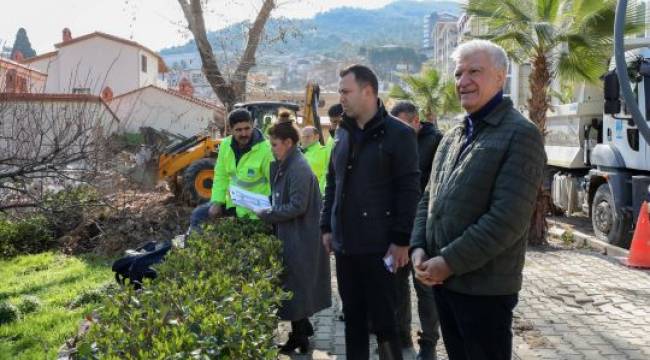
56	280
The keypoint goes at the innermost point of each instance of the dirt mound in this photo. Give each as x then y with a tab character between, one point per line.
129	219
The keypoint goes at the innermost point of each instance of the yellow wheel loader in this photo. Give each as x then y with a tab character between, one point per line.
188	166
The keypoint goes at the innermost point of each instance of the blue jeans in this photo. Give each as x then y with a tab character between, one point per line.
201	214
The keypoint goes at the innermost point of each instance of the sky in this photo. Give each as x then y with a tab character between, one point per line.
153	23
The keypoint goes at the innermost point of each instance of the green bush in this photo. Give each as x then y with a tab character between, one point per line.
8	313
29	304
27	236
87	297
216	298
65	209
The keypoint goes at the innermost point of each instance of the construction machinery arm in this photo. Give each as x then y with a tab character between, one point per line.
310	115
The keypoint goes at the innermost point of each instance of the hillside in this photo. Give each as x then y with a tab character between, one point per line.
336	33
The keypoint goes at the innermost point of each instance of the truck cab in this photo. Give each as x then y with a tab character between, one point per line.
598	162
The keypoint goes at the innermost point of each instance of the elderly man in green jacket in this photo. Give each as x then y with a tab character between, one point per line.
317	155
470	231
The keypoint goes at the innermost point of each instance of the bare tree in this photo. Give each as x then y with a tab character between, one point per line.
48	142
230	89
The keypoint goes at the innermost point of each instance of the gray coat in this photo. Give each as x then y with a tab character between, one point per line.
296	202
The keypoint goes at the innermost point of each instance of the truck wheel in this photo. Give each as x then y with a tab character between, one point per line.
609	225
197	181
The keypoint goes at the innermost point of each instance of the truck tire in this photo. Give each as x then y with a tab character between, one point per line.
609	225
197	181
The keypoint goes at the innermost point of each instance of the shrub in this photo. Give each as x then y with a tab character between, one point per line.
8	313
27	236
29	304
216	298
87	297
65	209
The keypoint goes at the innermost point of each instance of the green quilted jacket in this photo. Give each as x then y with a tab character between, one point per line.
476	209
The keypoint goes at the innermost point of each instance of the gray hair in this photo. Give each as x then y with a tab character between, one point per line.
497	54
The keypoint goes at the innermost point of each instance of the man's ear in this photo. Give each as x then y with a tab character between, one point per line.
501	76
367	91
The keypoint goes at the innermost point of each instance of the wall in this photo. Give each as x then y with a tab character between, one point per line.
161	111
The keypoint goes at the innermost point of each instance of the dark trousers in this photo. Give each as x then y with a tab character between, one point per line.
476	327
302	328
367	290
427	311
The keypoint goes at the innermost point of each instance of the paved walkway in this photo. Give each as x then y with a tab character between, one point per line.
575	304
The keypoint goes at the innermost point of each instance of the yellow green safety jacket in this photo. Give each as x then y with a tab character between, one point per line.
318	157
250	173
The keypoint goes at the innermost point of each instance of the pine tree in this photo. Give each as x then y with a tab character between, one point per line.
23	45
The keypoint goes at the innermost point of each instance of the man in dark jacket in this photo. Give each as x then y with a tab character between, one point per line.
428	139
469	237
370	198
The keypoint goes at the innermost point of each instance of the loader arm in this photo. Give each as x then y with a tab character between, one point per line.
310	114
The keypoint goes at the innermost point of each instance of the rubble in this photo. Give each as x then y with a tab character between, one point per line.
129	219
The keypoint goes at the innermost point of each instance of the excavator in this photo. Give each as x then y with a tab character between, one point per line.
188	166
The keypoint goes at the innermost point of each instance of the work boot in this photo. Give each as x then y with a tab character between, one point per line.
388	351
427	351
301	330
296	341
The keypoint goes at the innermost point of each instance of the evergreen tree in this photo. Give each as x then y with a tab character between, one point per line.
23	45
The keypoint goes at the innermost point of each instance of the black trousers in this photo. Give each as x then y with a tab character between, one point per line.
367	290
476	327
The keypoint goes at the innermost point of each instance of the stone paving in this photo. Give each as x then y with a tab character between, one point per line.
575	304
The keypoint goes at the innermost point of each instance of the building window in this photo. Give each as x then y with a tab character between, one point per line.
144	63
85	91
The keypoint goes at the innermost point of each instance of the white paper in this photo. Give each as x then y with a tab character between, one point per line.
248	200
388	263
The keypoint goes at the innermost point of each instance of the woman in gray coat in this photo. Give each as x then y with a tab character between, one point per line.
295	212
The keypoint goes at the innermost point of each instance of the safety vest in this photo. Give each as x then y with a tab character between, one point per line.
318	157
251	173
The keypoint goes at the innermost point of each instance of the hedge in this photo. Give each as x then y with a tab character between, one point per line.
27	236
216	298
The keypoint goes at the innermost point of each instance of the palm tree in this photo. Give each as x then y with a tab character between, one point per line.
568	39
427	90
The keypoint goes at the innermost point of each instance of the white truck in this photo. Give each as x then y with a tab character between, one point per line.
598	156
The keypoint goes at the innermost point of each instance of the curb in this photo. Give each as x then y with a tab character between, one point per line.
582	239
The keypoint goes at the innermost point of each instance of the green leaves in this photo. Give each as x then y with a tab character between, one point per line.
428	92
217	298
28	236
575	35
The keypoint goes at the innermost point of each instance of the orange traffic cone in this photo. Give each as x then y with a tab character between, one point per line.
640	248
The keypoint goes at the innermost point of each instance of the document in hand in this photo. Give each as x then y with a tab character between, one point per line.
247	199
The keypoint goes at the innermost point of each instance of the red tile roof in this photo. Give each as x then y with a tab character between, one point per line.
39	57
23	66
177	94
162	67
55	97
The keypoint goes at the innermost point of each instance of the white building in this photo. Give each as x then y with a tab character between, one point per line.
165	109
99	64
445	40
19	78
34	124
